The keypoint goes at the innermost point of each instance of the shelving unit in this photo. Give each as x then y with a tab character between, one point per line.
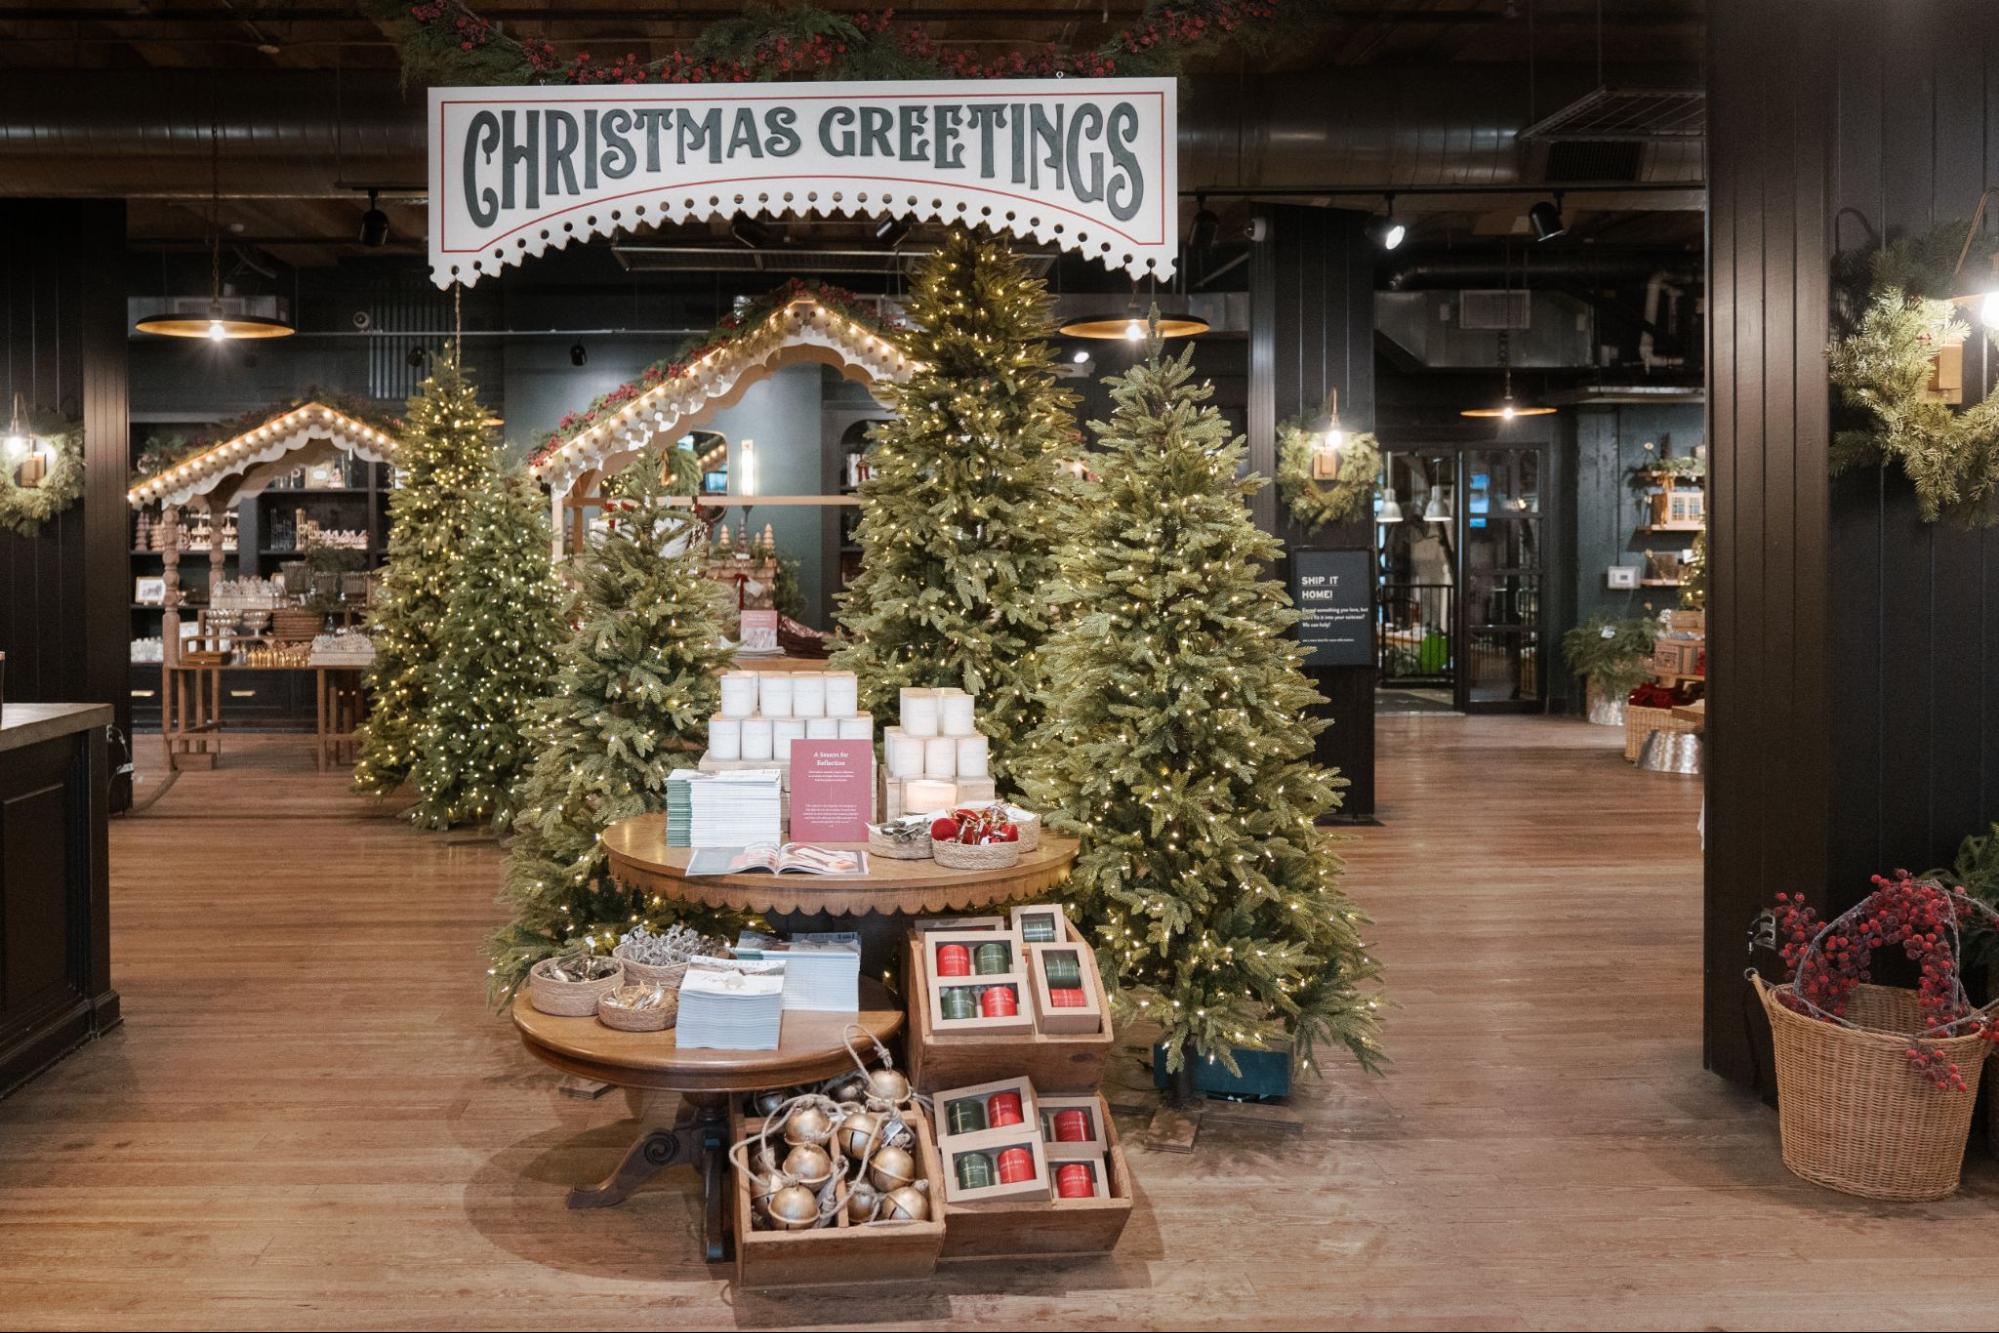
261	698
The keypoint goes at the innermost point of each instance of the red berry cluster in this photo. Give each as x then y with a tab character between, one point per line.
792	55
1826	963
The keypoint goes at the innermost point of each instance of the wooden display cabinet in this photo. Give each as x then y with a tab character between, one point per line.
1051	1228
944	1058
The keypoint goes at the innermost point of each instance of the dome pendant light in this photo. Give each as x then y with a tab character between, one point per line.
1387	510
1129	326
1508	407
219	326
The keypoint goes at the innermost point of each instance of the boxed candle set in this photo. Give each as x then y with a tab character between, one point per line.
962	974
1029	1174
989	1137
976	981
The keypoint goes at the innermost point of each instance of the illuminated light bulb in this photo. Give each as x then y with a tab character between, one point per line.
1988	310
1134	331
216	333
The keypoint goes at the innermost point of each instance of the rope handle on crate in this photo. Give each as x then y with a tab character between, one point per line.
1815	945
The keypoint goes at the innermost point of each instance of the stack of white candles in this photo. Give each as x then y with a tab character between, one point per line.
764	712
937	757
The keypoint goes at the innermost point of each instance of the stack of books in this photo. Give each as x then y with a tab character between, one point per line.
724	809
730	1004
822	971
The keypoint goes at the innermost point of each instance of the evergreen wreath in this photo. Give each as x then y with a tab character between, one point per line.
23	509
1314	503
1893	322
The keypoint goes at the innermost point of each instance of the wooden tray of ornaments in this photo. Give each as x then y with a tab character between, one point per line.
1048	1228
844	1253
1059	1063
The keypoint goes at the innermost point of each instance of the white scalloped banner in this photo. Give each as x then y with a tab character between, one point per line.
663	409
282	434
1087	165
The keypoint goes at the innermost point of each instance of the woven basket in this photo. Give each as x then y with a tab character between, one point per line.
1855	1116
982	856
657	1019
649	973
919	850
1029	825
1640	722
569	999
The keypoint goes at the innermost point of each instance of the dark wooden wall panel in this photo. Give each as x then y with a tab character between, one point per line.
1854	645
64	591
1312	330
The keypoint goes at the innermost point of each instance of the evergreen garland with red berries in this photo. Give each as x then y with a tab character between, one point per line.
446	42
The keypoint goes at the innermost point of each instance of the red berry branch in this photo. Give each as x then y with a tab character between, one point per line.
1827	961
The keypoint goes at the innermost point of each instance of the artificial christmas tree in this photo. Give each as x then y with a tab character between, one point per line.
634	689
965	499
443	455
1178	748
495	658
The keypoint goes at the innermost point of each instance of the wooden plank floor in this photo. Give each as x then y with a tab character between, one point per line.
311	1119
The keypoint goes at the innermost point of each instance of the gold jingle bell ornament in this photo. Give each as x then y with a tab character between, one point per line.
809	1165
764	1186
794	1209
859	1132
861	1201
848	1089
891	1169
770	1101
889	1086
908	1204
808	1124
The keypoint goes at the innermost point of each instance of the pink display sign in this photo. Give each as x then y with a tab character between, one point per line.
832	790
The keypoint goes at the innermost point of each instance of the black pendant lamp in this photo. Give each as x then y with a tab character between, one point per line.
216	326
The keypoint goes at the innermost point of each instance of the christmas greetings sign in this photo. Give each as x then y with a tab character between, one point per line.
1085	164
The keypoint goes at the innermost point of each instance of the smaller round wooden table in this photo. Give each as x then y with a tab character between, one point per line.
811	1046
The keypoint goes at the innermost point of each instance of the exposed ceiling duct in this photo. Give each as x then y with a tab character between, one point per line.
327	133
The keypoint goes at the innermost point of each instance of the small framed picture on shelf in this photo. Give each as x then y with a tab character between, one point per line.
150	590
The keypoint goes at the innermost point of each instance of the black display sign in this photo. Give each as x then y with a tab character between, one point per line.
1335	591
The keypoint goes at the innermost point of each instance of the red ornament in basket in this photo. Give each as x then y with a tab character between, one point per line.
1826	961
972	827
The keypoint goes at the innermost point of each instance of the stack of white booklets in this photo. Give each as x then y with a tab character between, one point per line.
822	971
731	1004
724	809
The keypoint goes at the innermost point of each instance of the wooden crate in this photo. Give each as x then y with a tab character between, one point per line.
841	1254
1060	1063
1051	1229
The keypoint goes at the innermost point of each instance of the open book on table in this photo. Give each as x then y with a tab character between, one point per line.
800	858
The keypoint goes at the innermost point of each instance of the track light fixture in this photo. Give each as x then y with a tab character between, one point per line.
374	222
1546	219
748	232
891	230
1384	230
578	354
1206	229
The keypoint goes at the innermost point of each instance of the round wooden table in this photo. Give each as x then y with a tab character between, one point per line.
811	1046
640	857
